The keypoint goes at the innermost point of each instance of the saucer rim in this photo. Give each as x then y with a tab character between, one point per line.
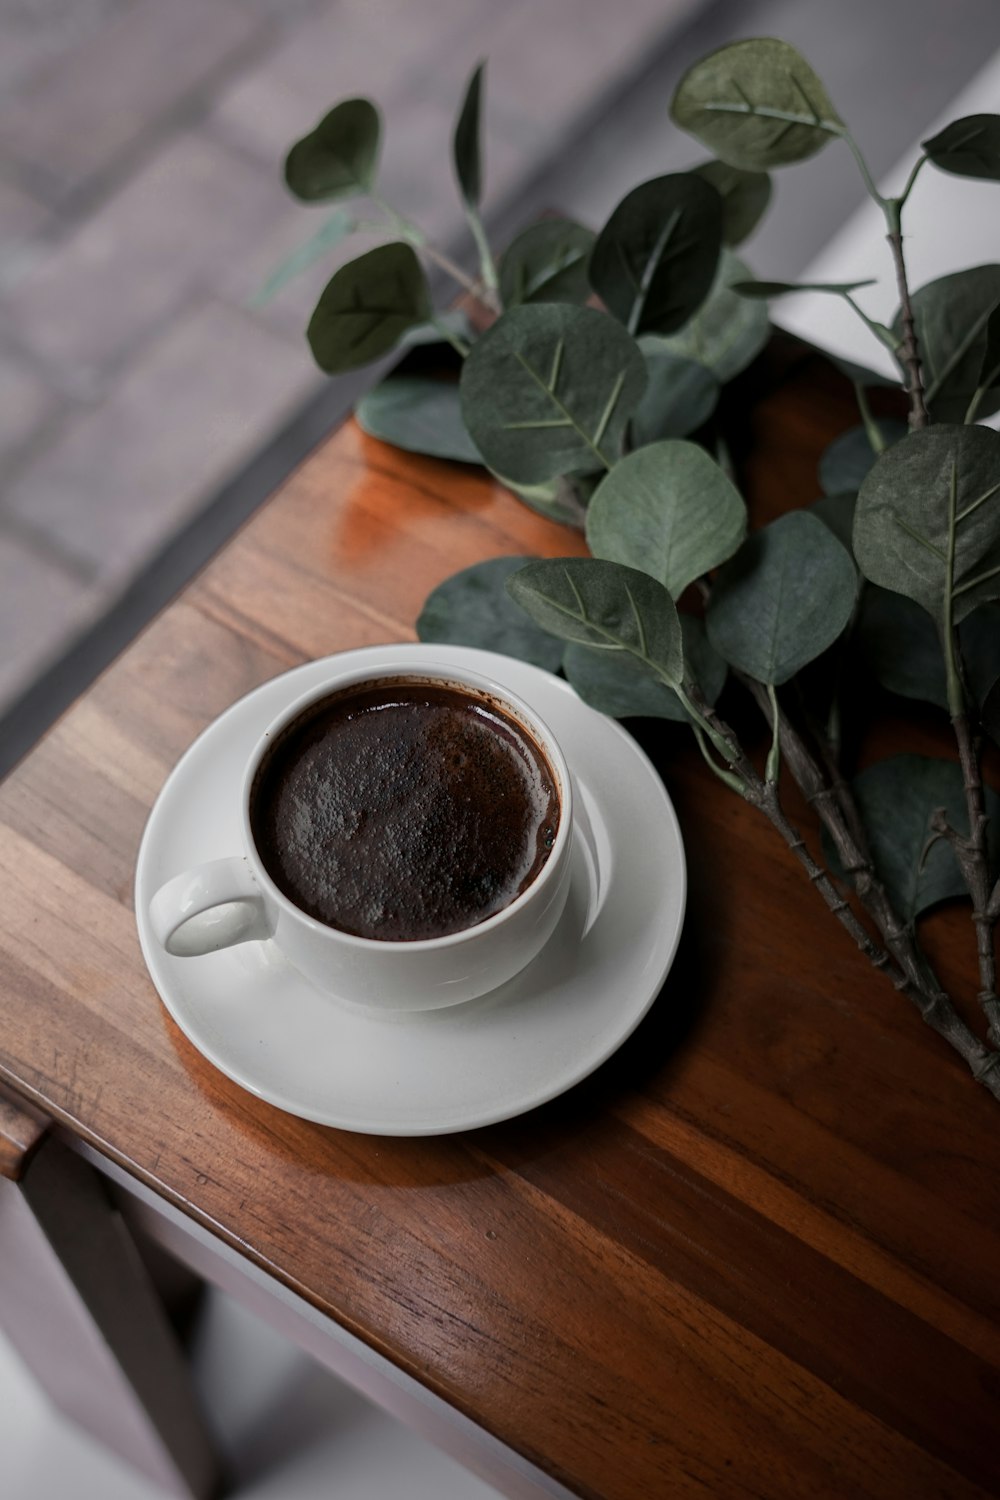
435	1123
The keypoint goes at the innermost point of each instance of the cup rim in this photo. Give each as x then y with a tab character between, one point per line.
426	671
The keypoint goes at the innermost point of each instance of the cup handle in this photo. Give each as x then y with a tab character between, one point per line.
213	906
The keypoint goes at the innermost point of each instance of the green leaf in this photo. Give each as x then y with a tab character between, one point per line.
969	147
991	715
989	370
465	143
549	389
727	332
336	228
668	510
745	197
473	608
764	290
756	104
339	158
422	335
366	307
837	514
624	688
547	262
680	396
899	644
897	798
845	462
655	259
557	499
928	520
951	317
783	599
602	604
419	414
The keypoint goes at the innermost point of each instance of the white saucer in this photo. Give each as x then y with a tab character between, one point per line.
431	1072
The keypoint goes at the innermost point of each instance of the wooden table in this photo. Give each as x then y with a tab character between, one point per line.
757	1254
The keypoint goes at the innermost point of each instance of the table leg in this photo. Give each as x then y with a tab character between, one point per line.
78	1304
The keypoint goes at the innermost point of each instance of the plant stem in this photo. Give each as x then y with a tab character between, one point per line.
872	429
487	265
862	165
908	351
973	860
416	236
915	173
916	979
884	335
459	345
933	1003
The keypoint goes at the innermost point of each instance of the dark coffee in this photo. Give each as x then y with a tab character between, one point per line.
404	810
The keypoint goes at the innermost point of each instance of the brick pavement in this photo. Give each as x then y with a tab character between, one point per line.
141	208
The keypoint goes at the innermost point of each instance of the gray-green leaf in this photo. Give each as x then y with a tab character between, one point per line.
655	259
624	688
668	510
367	306
549	389
420	414
557	499
465	144
680	396
989	370
845	462
837	514
756	104
547	262
745	197
991	713
783	599
336	228
473	608
764	290
928	520
899	644
727	332
897	798
969	147
603	604
339	158
951	317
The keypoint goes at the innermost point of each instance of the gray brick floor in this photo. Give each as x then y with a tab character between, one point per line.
141	208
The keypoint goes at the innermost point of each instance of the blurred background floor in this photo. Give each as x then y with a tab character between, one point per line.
286	1430
141	207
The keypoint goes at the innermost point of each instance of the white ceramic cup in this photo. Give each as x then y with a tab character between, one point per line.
234	900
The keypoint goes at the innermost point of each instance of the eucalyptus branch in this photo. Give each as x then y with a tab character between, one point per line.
872	430
914	174
973	860
862	165
884	335
909	351
458	344
993	905
412	232
911	973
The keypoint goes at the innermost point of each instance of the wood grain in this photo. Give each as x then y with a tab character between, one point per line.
755	1255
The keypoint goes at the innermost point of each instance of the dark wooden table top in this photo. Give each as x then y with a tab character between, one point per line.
757	1254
